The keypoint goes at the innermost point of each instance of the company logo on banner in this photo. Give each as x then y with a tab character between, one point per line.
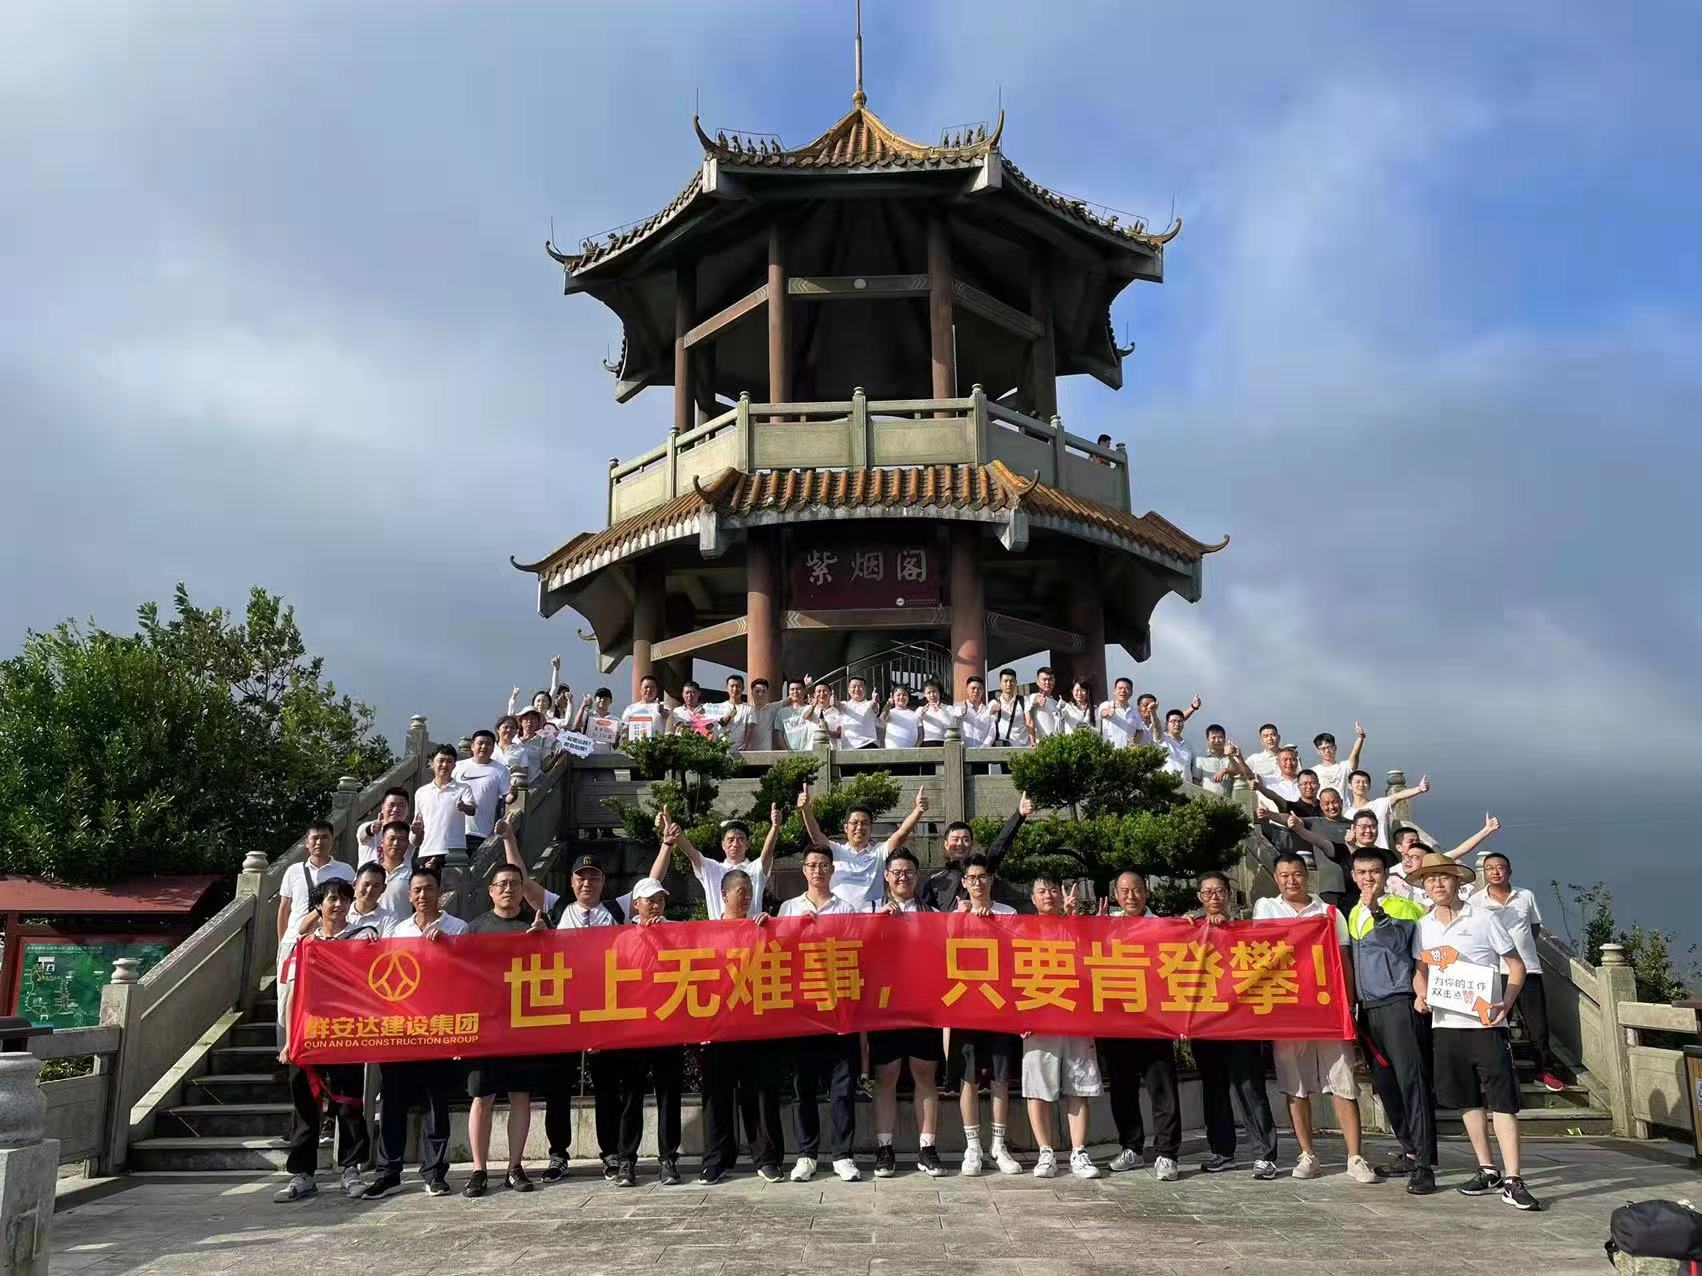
676	983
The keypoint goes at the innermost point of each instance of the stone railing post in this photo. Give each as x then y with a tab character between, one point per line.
1057	424
978	426
419	745
1401	812
261	946
29	1166
1616	981
344	821
746	446
464	747
1123	467
822	746
120	1007
954	780
862	440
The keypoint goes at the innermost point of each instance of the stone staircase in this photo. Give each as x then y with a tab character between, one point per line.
1543	1112
232	1117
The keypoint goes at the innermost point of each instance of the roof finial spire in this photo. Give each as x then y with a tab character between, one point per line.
859	99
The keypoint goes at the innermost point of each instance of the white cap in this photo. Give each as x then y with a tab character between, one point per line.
647	887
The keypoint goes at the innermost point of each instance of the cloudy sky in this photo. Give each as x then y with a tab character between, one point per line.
277	312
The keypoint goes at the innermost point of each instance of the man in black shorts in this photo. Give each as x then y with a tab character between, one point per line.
921	1046
993	1057
486	1078
1474	1055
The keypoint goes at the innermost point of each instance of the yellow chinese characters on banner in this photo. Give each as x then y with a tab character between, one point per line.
960	953
686	971
833	972
762	978
1264	975
537	994
1118	974
1043	973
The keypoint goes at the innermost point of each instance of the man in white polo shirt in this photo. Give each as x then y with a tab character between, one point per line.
1359	799
300	879
859	717
1057	1068
974	715
1517	909
857	866
1045	707
1212	770
735	847
985	1056
1474	1056
1178	757
1331	773
827	1061
1264	762
489	782
646	716
1305	1068
442	804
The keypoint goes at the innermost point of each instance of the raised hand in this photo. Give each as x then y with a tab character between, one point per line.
516	694
1358	732
1105	711
1424	784
1024	805
1072	904
1194	704
921	802
1105	906
502	828
803	797
555	662
1231	750
1490	823
774	816
418	827
671	834
663	819
1293	821
963	906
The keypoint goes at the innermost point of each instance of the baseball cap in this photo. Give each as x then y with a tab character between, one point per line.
587	864
647	887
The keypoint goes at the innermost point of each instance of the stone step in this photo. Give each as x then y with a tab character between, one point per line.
1542	1123
237	1087
218	1153
262	1012
225	1059
1574	1097
254	1034
225	1120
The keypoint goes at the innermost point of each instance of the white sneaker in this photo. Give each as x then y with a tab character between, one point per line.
847	1169
971	1163
1007	1163
1264	1169
804	1170
1047	1166
1306	1167
1165	1169
1127	1159
1082	1166
1360	1171
352	1185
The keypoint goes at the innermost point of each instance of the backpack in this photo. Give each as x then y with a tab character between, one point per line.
1656	1229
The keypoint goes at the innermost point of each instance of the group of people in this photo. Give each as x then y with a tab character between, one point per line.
1395	924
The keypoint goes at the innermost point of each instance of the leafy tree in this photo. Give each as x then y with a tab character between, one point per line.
686	768
176	749
1660	978
1124	811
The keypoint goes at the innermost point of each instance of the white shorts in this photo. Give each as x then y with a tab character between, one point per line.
1305	1068
1053	1066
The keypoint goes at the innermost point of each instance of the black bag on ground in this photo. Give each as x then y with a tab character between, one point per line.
1656	1229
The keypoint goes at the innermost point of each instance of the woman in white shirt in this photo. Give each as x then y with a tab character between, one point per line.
934	716
903	724
1079	713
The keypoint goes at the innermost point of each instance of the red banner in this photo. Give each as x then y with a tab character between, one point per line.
615	987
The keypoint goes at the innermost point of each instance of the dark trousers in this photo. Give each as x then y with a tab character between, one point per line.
740	1079
605	1066
354	1141
414	1085
1232	1084
641	1070
1130	1063
1533	1013
558	1103
1400	1071
828	1063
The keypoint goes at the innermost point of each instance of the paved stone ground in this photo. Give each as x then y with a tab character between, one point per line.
909	1224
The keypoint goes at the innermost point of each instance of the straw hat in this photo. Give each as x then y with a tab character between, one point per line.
1434	864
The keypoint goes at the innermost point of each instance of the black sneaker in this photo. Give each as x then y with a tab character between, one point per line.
556	1169
770	1174
670	1173
383	1185
1516	1194
1422	1180
886	1161
1483	1183
611	1167
1398	1166
626	1174
928	1161
709	1178
517	1180
478	1183
437	1186
1217	1163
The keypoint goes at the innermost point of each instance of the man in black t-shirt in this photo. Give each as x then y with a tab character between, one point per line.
487	1078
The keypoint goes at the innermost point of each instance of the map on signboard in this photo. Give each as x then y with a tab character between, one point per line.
59	979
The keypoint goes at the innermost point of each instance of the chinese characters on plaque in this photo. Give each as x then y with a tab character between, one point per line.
849	572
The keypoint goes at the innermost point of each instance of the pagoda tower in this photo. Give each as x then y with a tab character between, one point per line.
866	469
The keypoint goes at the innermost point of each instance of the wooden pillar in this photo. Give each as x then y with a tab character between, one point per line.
779	354
646	625
685	307
943	355
968	611
762	610
1087	618
1042	357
